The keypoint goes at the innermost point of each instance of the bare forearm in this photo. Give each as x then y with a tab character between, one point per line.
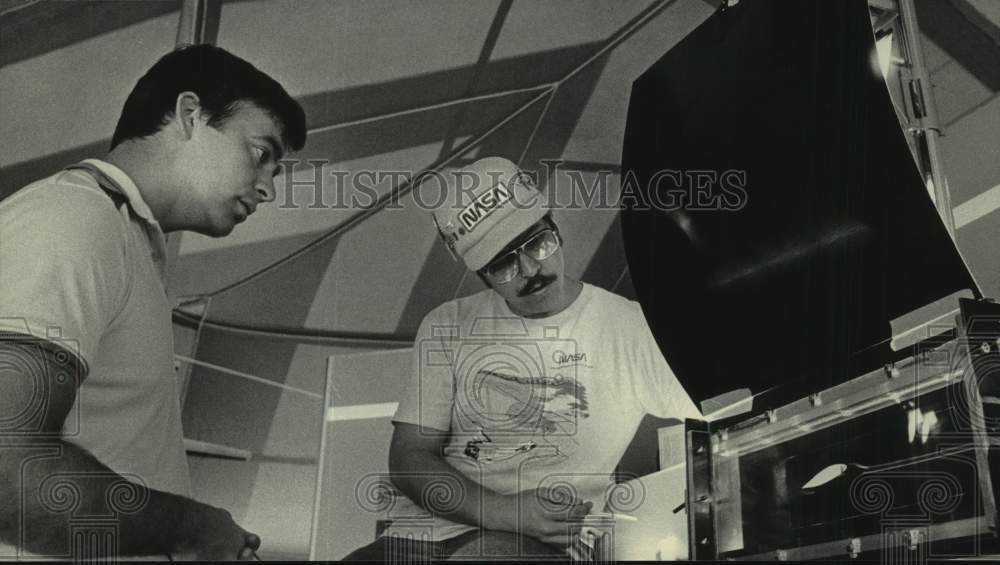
45	484
439	488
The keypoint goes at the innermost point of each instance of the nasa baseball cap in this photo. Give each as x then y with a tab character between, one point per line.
487	205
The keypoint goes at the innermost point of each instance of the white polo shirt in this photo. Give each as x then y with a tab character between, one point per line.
76	270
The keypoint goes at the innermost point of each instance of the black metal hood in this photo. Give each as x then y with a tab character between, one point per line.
775	219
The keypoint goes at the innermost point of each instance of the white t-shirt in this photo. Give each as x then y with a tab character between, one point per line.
536	403
77	271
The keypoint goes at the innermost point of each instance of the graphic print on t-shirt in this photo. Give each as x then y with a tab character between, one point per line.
516	408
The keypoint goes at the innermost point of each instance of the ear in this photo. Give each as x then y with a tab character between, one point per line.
187	110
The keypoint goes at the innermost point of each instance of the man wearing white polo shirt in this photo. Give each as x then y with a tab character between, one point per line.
524	396
92	461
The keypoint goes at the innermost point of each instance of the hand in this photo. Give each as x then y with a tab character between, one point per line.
548	519
217	537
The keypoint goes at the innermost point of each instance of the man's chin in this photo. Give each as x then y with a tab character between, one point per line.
215	230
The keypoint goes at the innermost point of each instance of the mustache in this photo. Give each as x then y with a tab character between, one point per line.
536	282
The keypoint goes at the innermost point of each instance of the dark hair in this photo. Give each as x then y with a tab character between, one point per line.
221	80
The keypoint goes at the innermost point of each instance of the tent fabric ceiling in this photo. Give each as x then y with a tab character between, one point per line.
66	23
383	274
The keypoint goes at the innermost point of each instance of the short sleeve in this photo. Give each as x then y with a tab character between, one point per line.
62	266
430	393
657	388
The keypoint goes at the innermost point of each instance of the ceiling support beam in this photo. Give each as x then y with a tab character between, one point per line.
199	22
925	128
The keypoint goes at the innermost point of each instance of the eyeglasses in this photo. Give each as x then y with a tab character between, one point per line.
540	246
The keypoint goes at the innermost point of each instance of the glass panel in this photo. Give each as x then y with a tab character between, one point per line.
909	462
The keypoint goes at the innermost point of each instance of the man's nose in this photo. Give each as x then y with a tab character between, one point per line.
528	265
265	189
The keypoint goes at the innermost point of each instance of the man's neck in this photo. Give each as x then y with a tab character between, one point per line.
146	169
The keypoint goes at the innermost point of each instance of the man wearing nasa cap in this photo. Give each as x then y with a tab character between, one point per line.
505	225
524	396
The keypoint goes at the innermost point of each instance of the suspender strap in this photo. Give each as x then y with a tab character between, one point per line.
107	184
